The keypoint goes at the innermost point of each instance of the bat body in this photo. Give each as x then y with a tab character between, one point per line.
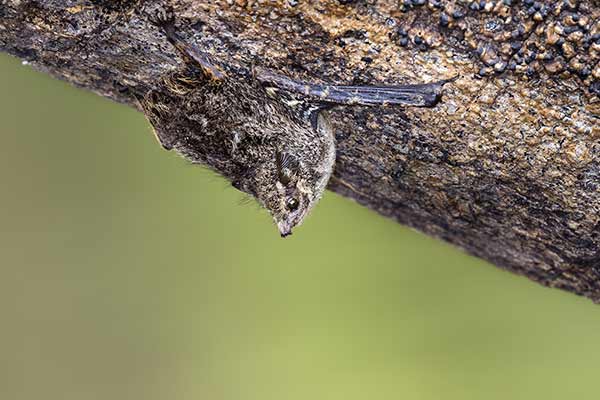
269	134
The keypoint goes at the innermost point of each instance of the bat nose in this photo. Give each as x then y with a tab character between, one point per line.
284	229
285	233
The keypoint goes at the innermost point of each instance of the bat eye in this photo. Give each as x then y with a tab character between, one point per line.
292	204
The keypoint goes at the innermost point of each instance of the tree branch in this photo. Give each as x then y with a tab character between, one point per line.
506	167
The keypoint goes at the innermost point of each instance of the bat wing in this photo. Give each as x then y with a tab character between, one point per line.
420	95
423	95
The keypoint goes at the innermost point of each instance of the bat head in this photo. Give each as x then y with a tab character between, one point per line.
295	176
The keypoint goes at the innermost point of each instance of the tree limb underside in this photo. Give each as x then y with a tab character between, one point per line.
507	166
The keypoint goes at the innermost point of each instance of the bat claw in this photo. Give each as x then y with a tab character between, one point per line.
161	16
450	80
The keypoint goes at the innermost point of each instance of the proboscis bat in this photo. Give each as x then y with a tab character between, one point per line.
269	134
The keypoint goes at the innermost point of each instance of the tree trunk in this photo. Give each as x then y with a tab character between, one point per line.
507	166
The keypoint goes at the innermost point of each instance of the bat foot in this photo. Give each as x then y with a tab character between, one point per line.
162	16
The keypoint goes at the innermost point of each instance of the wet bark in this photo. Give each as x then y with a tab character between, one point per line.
506	167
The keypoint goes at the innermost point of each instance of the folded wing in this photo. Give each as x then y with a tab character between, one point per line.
419	95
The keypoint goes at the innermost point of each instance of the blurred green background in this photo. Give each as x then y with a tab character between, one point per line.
127	273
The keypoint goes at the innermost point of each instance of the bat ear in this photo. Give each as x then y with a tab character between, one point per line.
286	166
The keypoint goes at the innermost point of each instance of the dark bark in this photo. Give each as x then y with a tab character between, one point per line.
506	167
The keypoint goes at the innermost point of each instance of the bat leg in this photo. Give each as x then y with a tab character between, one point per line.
165	20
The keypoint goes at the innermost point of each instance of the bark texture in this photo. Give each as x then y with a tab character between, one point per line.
506	167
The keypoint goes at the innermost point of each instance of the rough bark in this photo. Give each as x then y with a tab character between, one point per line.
506	167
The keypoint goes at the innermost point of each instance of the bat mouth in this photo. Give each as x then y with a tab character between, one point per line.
285	229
